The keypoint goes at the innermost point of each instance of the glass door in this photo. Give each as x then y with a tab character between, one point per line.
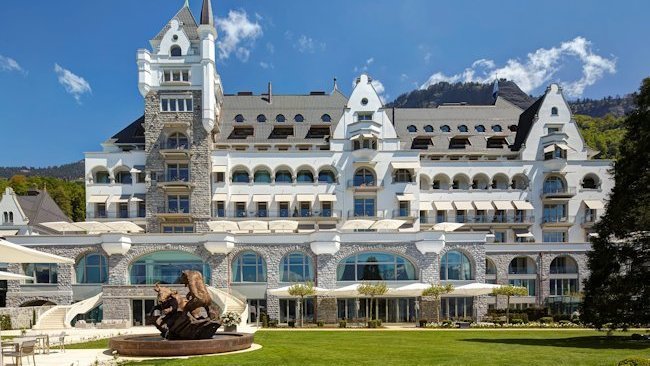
140	310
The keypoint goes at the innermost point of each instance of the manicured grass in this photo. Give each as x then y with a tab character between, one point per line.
97	344
429	347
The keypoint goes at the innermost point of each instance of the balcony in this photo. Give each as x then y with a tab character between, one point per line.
481	220
302	215
403	214
175	182
558	221
175	151
558	192
365	215
174	212
364	186
588	221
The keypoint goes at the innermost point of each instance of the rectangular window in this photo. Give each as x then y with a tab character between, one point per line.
563	286
140	177
499	216
590	215
520	216
100	210
123	210
326	209
527	283
555	213
178	204
423	217
480	216
176	76
554	236
219	177
177	104
262	209
441	216
142	209
177	229
404	207
240	209
178	172
364	207
500	236
284	209
220	209
305	209
461	216
42	272
364	117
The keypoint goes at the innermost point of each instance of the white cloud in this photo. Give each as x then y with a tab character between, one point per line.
266	65
403	77
380	89
238	34
73	84
306	44
538	68
270	47
9	64
370	60
427	57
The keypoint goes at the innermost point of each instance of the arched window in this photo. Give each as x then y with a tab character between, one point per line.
490	268
522	265
462	128
6	216
249	267
445	128
364	177
326	118
326	176
102	177
123	177
239	118
375	266
166	267
519	181
261	118
428	128
305	176
283	176
564	265
500	181
480	181
177	140
299	118
403	176
42	272
296	267
455	266
554	111
461	181
240	176
175	51
92	268
497	128
262	176
589	182
480	128
412	129
440	181
280	118
553	184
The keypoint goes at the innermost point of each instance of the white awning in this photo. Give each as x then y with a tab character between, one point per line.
283	225
483	205
357	224
305	197
124	227
405	197
525	234
261	198
425	206
594	204
8	232
387	224
283	198
62	226
364	135
405	164
549	148
119	199
219	197
503	205
443	205
8	276
463	205
253	225
97	199
94	227
138	197
223	226
239	198
218	168
523	205
325	197
562	146
14	253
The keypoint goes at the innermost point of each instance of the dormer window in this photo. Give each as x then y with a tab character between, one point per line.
299	118
365	143
364	117
480	128
412	129
428	128
175	51
445	128
497	128
326	118
280	118
170	76
176	104
239	118
462	128
261	118
554	111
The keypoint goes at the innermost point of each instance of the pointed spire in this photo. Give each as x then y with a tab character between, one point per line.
206	13
187	3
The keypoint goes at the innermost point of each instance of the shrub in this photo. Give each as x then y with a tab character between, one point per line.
273	323
343	324
379	322
5	322
565	322
373	324
320	324
447	323
520	316
634	361
423	323
517	321
546	320
291	323
265	320
636	337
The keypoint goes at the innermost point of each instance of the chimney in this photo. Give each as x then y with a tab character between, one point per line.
270	92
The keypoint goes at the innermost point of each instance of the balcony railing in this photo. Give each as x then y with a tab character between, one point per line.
174	210
352	183
479	219
403	214
550	192
277	214
560	220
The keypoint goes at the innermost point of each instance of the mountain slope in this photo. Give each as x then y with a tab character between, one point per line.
72	171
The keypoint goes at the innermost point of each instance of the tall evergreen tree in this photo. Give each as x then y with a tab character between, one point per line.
617	291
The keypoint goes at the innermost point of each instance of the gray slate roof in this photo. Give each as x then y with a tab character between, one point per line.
188	24
40	207
311	107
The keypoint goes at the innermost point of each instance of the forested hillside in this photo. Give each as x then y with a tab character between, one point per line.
602	134
70	171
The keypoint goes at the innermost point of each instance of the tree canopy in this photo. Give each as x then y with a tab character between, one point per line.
616	292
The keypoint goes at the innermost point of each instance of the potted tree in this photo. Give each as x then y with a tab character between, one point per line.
372	290
436	291
508	291
230	320
302	290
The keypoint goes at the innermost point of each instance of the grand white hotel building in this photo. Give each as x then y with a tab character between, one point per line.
259	191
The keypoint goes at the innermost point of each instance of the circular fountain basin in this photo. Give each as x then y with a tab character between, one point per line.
155	346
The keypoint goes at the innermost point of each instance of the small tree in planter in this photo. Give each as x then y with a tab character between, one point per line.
508	291
372	290
302	291
230	320
436	291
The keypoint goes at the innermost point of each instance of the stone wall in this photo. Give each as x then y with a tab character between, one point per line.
23	317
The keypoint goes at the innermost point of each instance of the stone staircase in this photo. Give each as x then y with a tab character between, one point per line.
227	301
53	318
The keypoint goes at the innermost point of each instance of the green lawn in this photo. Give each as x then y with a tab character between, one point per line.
429	347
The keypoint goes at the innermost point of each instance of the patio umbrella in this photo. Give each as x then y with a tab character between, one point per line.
124	227
8	276
253	225
474	289
447	226
223	226
346	291
414	289
358	224
284	225
284	291
94	227
14	253
62	227
387	224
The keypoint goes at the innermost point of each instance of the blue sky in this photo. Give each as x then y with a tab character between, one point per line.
69	78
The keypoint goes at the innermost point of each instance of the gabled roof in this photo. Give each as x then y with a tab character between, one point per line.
187	22
40	207
131	134
526	120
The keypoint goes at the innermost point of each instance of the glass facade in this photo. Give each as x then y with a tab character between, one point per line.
249	267
166	268
92	268
364	207
457	307
563	286
296	267
527	283
42	272
376	266
455	265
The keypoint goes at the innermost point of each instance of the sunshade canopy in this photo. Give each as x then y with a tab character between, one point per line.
14	253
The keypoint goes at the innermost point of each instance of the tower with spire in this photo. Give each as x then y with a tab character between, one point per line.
183	96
